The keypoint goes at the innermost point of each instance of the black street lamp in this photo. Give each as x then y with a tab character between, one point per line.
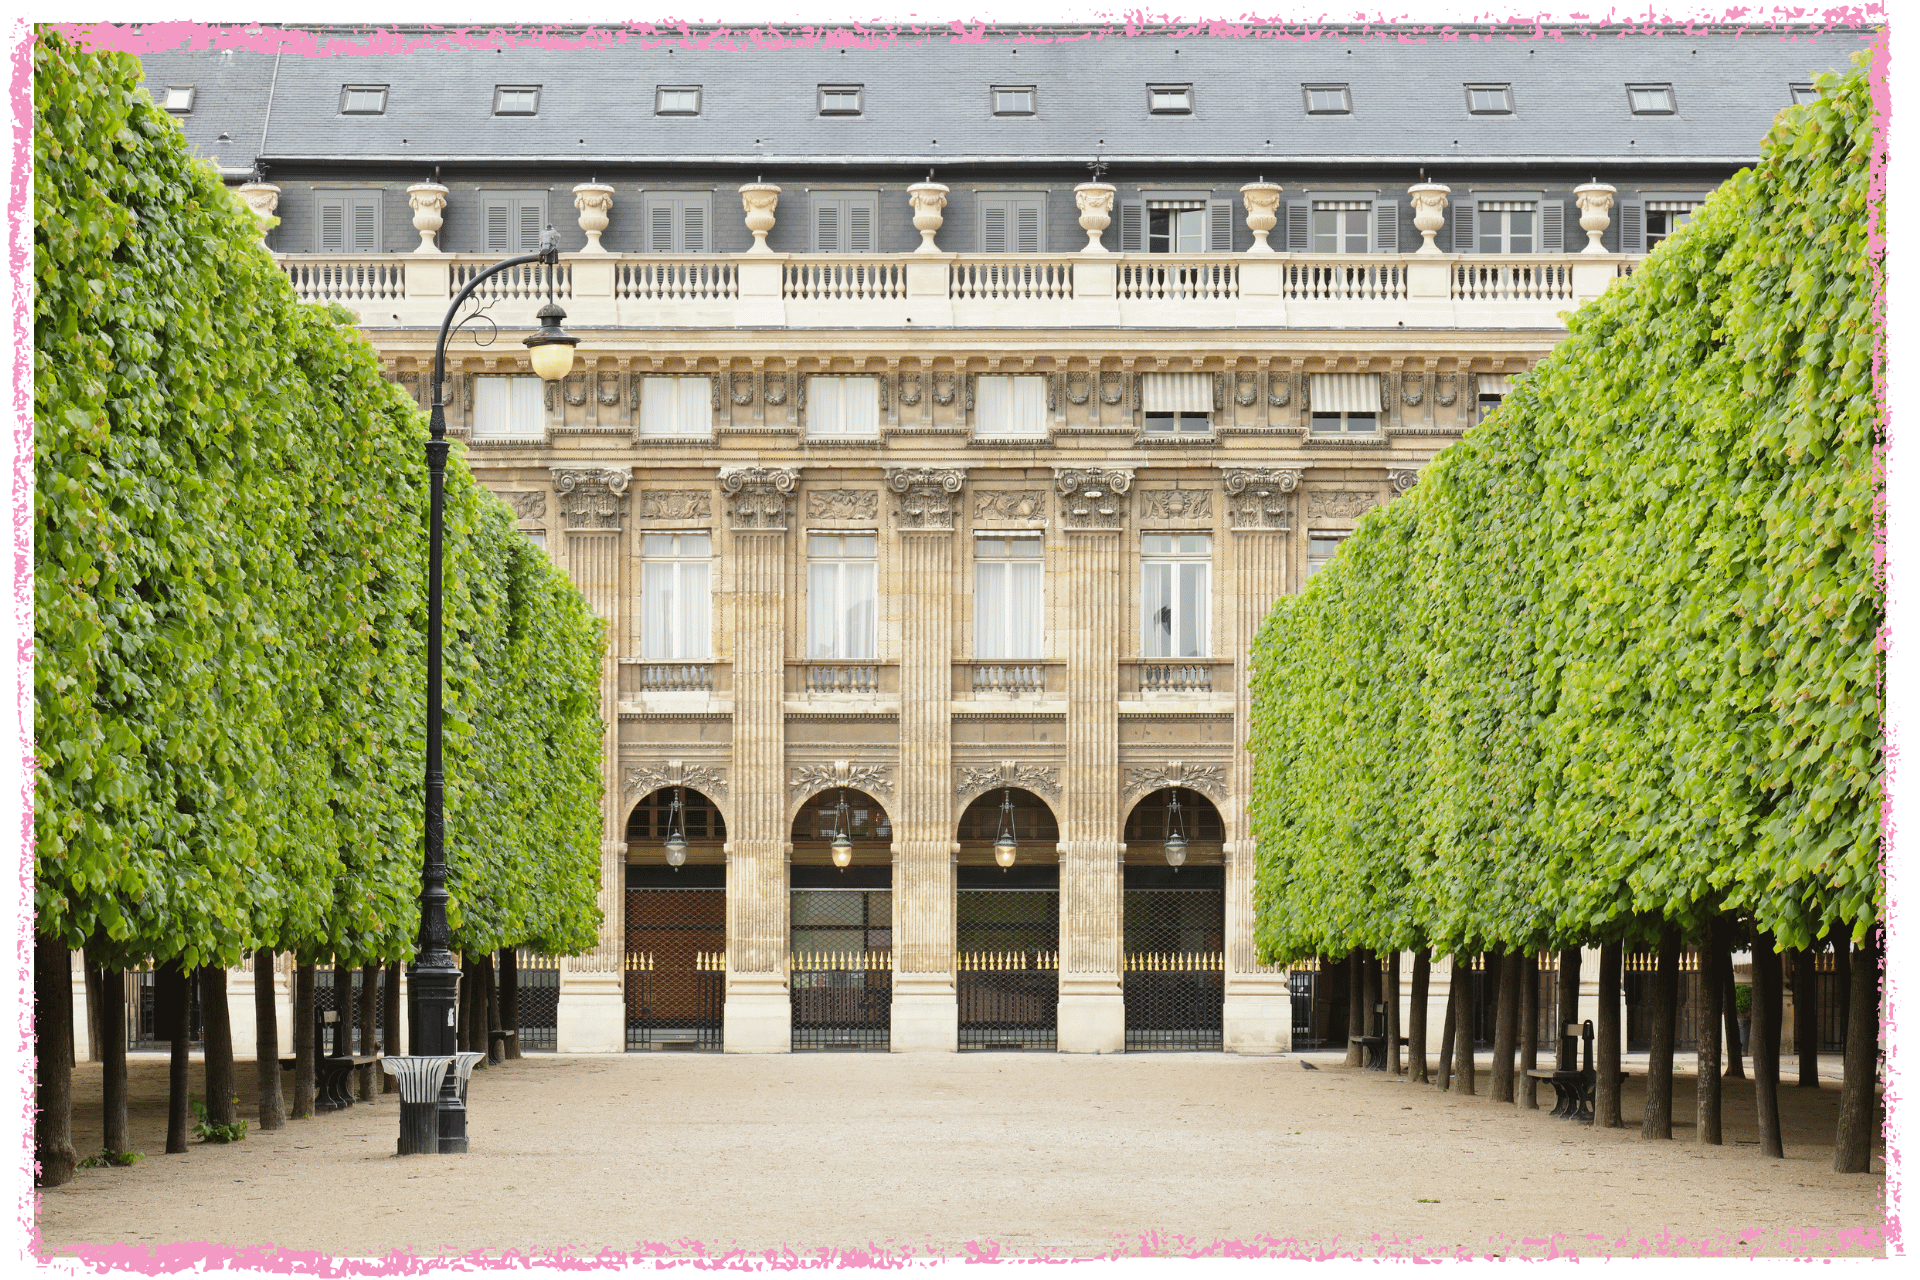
433	980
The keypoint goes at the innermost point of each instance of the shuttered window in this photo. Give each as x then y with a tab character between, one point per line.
677	221
1633	227
1465	216
845	221
1013	223
676	408
514	221
1345	403
349	222
1166	225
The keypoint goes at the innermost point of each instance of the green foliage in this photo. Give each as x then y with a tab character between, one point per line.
230	567
207	1131
112	1159
1743	1000
1615	660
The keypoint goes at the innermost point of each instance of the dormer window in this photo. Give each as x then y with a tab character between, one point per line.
1490	99
1803	93
676	100
1013	99
516	99
840	99
363	99
1170	99
178	99
1327	99
1650	99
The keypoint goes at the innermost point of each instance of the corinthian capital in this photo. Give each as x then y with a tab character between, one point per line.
591	497
759	497
1093	497
925	497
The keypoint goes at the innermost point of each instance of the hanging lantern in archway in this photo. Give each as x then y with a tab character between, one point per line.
676	832
1005	847
842	842
1176	846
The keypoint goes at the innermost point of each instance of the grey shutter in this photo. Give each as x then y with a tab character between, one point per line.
1553	226
1386	226
993	224
1633	226
660	211
332	231
499	219
1299	219
1463	227
826	226
861	218
693	224
1133	226
529	221
1219	226
364	223
1026	224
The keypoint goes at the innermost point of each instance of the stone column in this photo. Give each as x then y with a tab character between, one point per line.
1258	1017
1093	519
758	1017
592	504
926	508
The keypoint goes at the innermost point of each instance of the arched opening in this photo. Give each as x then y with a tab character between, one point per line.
1174	923
676	941
1007	924
841	942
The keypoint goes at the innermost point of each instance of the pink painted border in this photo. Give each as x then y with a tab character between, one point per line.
871	35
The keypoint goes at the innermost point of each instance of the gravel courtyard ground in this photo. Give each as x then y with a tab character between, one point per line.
1037	1154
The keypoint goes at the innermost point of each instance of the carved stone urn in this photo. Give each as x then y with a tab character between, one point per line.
759	200
1095	201
1262	200
429	201
594	200
1429	212
263	198
928	199
1594	200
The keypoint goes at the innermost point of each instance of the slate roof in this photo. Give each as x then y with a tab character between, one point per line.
928	103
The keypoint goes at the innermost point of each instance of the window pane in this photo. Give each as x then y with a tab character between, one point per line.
990	610
696	407
1194	542
1160	424
1361	422
1521	238
823	609
1325	423
657	609
492	407
1029	406
860	400
1356	229
858	544
695	544
994	546
823	545
1026	547
1492	232
658	408
1193	610
1026	610
1192	230
695	609
857	610
657	544
1156	610
529	407
1157	543
993	401
823	406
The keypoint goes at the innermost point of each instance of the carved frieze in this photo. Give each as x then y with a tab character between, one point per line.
971	780
1401	480
1176	504
1246	388
530	505
1446	389
1113	386
1279	389
607	388
910	389
925	497
1093	497
646	779
1260	497
676	504
1009	504
575	387
740	385
843	504
1413	388
874	779
760	497
1340	504
1208	779
591	497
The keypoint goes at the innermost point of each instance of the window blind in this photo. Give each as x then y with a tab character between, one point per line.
676	408
1177	392
1345	392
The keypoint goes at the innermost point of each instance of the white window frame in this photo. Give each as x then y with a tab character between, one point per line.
1633	103
1170	99
828	403
1353	219
1022	596
1506	99
1497	225
1180	606
1031	91
1670	219
500	91
347	93
859	92
834	570
525	398
1010	406
1803	92
676	407
171	103
362	220
660	92
1315	563
1352	422
1345	107
676	596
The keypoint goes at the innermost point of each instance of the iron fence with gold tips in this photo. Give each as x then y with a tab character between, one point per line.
1004	961
829	961
1176	962
710	961
535	962
1649	962
639	962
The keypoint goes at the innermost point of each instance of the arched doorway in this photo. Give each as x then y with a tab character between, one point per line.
1007	924
1175	923
841	943
676	943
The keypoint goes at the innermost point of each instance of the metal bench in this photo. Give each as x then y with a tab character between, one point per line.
332	1072
1376	1044
1573	1086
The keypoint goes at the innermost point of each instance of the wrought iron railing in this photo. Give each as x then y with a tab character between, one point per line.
537	999
841	999
675	968
1008	999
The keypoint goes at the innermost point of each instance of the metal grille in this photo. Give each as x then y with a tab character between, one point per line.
1832	997
1640	970
675	967
537	997
142	1025
1174	972
1309	1022
1008	968
840	970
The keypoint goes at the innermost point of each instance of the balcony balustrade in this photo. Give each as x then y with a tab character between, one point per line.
869	679
1009	677
646	676
1176	675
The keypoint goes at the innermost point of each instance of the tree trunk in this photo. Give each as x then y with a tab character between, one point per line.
1766	1043
1606	1049
115	1136
53	1063
1843	983
365	1090
1806	1016
1449	1025
266	1042
1706	1097
1393	1013
1463	1025
1529	1029
172	1011
1859	1105
1657	1120
342	1009
1566	996
304	1046
1506	1027
390	1040
1356	1005
216	1029
1729	1003
96	1007
510	999
1417	1019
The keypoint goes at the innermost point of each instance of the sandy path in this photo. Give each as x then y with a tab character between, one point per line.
1041	1153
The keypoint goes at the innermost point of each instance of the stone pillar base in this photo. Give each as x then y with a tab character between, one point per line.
1257	1022
757	1022
926	1022
1092	1022
593	1014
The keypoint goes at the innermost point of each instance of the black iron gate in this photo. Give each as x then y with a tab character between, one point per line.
840	970
1641	969
1303	985
1008	967
676	966
143	1024
537	994
1174	970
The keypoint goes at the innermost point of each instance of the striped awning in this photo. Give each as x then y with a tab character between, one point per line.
1345	392
1495	384
1177	392
1672	206
1176	204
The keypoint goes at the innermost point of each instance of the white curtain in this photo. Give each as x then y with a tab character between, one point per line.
843	406
990	609
1156	610
529	407
1178	392
1345	392
492	408
1026	620
840	611
676	621
1193	611
992	407
1173	609
676	408
1029	407
696	407
823	608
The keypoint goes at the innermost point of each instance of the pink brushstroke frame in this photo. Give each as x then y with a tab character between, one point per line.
874	34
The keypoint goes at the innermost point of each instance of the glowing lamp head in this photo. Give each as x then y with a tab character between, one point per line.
842	849
1004	850
551	348
676	850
